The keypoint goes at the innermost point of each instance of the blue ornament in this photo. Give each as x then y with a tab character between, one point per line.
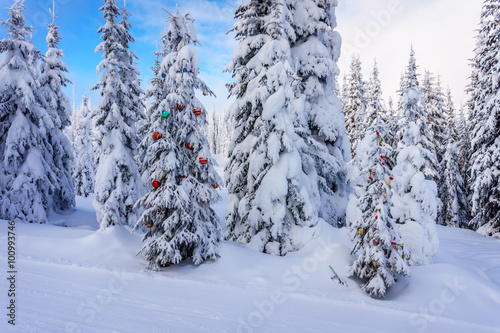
184	70
163	75
165	114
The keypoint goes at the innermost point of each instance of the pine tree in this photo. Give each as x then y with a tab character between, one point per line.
213	131
382	258
451	188
390	118
415	191
356	104
178	215
83	166
118	185
463	145
315	50
485	158
52	80
269	193
374	105
26	162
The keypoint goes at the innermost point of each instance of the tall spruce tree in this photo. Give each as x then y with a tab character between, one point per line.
26	155
52	80
83	166
356	104
451	189
315	50
376	235
415	191
269	193
118	185
181	223
485	111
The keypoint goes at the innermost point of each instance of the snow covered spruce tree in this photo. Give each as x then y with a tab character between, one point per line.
269	193
117	183
52	80
315	50
415	191
485	169
451	188
375	233
180	221
83	163
356	104
213	131
26	163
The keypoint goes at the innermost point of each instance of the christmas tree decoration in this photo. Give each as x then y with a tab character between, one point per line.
204	94
197	111
189	146
376	241
149	224
361	231
156	184
165	114
157	135
215	186
184	70
180	107
163	75
203	160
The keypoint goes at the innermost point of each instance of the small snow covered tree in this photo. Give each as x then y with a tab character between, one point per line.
52	80
375	233
315	50
374	105
26	162
356	104
117	182
451	188
464	153
83	166
181	223
269	193
415	191
213	131
485	169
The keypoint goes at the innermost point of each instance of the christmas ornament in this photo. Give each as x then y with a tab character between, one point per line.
148	224
388	182
165	114
184	176
180	107
156	184
376	217
375	264
382	156
188	146
391	178
204	94
383	163
157	135
385	195
163	75
197	112
215	186
361	231
184	70
378	134
376	241
203	160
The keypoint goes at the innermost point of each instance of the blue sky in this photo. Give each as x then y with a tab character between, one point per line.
441	31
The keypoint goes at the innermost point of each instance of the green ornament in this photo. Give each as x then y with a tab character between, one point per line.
165	114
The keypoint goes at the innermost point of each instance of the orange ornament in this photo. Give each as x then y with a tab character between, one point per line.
157	135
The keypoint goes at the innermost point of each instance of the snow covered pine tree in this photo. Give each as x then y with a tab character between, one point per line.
117	183
382	258
178	215
415	191
83	166
485	169
315	50
52	80
269	193
355	104
26	163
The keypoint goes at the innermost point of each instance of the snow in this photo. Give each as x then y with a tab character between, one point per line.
74	278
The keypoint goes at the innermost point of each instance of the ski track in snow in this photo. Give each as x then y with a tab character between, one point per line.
77	279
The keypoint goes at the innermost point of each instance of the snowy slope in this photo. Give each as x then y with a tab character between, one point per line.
73	278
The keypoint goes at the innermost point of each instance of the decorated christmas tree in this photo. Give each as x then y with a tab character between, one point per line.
382	253
180	221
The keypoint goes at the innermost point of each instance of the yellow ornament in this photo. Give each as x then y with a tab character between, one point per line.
361	231
385	195
388	182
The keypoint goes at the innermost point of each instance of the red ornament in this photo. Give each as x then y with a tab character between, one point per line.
391	178
378	134
188	146
156	184
149	224
184	176
382	156
157	135
371	178
149	206
197	112
215	186
383	163
376	217
375	241
203	160
180	107
204	94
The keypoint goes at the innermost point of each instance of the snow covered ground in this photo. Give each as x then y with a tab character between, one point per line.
73	278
